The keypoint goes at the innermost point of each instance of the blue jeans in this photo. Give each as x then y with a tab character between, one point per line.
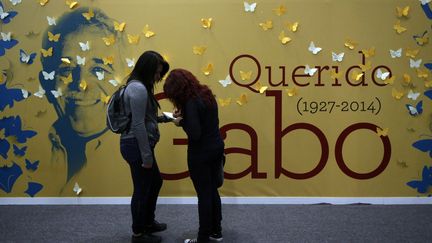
146	185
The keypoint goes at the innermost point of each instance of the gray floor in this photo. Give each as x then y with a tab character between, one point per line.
241	223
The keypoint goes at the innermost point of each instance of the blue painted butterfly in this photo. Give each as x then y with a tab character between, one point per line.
424	145
32	166
12	126
428	93
426	181
9	96
7	45
33	188
19	151
4	148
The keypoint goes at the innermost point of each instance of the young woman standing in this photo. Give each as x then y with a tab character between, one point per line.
197	114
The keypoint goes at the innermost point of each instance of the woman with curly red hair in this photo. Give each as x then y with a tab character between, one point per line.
197	114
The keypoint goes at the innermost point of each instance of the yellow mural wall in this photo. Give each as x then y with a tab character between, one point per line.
316	98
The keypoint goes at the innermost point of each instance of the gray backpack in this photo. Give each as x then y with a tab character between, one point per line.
117	120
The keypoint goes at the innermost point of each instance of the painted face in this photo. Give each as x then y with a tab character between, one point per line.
82	100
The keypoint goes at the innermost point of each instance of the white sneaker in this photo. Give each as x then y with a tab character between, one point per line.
191	241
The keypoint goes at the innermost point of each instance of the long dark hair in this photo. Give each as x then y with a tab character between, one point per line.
145	69
181	85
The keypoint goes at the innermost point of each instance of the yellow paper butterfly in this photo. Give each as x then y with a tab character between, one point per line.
206	23
397	94
292	91
356	75
399	29
133	39
43	2
47	53
402	11
260	88
207	70
83	85
199	50
292	26
110	40
366	66
119	26
382	132
67	80
242	100
224	102
335	75
105	98
88	15
65	60
71	4
108	60
421	73
350	44
390	80
411	52
428	84
421	39
368	52
52	37
245	75
147	32
406	79
280	10
284	39
268	24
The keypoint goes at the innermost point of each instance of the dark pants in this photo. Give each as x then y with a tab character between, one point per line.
146	185
203	172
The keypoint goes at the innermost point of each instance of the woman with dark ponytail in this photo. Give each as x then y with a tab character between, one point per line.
138	143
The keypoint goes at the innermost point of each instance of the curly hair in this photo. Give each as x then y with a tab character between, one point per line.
181	85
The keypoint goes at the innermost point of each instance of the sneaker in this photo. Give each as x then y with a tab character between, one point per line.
146	238
155	227
191	241
216	237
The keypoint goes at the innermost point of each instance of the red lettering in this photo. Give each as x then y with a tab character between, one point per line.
339	157
252	152
270	76
279	134
320	69
295	75
258	72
